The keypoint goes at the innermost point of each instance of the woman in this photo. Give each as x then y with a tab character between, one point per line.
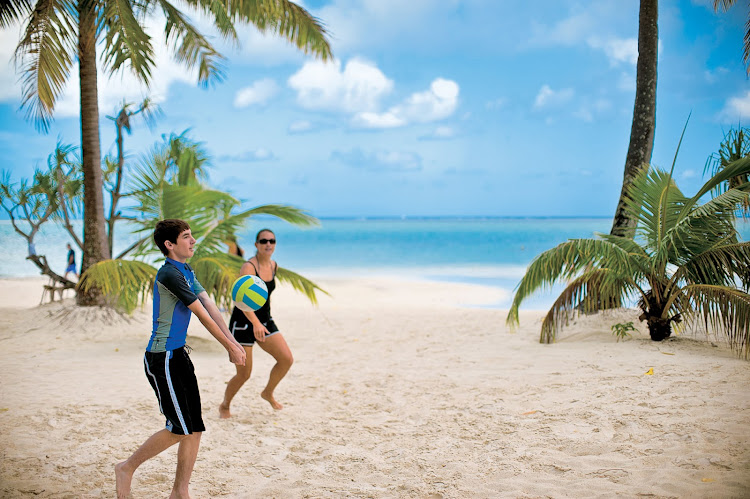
251	327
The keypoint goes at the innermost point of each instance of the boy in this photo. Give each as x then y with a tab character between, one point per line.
176	294
71	261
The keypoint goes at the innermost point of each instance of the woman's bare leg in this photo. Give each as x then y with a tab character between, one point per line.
279	350
234	384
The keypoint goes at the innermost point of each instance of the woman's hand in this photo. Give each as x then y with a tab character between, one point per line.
260	332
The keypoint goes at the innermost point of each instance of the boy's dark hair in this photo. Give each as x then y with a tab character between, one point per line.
169	230
257	236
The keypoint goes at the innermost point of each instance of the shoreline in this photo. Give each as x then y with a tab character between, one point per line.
397	391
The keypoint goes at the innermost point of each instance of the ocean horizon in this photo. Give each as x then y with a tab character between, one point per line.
489	251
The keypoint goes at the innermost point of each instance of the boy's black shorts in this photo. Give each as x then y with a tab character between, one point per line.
172	377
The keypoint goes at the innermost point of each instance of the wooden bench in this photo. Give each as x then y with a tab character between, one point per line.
51	289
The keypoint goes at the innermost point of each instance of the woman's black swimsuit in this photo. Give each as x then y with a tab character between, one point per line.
240	325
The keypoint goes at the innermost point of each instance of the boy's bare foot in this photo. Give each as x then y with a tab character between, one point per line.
224	411
269	397
122	481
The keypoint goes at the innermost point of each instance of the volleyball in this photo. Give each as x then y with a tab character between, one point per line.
249	293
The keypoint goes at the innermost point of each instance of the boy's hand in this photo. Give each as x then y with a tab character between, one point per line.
237	355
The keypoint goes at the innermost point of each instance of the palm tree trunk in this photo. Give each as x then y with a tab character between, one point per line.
644	111
95	247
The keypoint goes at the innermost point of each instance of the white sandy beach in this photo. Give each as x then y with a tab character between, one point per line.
399	389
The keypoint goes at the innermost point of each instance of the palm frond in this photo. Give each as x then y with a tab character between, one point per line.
191	47
214	239
726	309
13	11
722	265
300	283
46	54
572	257
217	272
287	213
595	290
734	169
282	17
125	41
125	283
655	202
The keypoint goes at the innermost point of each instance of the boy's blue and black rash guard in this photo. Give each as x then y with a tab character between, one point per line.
175	287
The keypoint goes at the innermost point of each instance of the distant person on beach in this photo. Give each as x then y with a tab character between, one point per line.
71	262
168	368
234	247
249	327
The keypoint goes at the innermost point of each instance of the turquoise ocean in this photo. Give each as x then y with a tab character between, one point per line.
488	251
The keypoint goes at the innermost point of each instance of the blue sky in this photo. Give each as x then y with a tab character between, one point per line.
431	107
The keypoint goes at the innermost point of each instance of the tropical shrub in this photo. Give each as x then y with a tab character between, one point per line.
686	262
167	184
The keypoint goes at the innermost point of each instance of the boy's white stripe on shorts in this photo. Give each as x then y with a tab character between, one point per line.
175	402
158	393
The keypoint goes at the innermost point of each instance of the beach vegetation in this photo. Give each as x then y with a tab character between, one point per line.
736	145
170	182
621	330
53	194
56	35
685	263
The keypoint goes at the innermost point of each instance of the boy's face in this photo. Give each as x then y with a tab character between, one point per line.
184	248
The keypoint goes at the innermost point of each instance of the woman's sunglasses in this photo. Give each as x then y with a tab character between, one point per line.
264	241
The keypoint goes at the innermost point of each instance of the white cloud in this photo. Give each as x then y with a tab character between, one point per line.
358	89
589	110
260	154
618	50
440	133
496	103
258	93
568	31
300	126
325	86
551	98
379	160
436	103
736	108
10	88
378	120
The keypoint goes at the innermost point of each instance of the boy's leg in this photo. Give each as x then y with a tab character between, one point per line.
156	443
187	452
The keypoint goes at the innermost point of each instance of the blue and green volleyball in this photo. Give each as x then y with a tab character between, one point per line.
249	293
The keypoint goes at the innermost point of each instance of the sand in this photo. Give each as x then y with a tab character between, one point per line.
396	391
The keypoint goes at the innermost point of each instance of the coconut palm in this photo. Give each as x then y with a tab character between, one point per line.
57	33
685	263
156	186
644	112
736	145
725	5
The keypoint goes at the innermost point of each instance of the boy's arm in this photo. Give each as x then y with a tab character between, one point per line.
236	352
215	314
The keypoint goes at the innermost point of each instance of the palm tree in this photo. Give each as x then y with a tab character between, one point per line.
685	263
165	186
59	32
725	6
114	170
736	145
644	112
